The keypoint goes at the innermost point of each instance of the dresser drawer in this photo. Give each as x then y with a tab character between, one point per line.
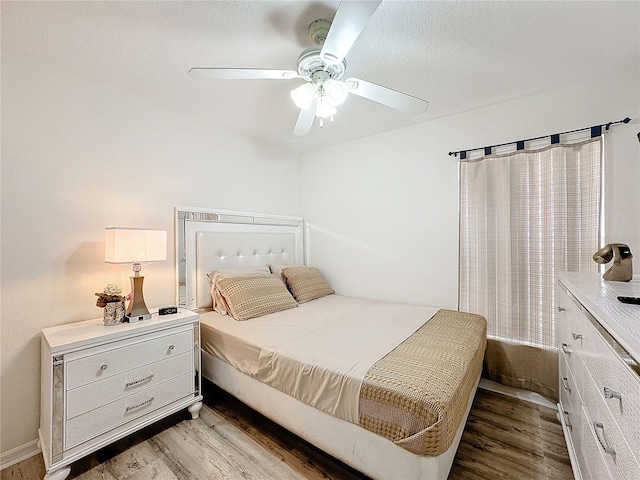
569	392
96	394
618	387
570	328
571	409
98	363
600	360
626	412
593	466
620	462
101	420
563	317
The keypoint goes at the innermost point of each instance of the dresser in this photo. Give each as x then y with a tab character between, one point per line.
599	368
100	383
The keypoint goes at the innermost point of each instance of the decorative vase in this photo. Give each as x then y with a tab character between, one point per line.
114	313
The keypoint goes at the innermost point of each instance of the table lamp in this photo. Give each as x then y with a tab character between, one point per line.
136	246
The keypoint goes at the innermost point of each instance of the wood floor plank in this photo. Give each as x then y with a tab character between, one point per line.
132	460
26	470
156	470
504	439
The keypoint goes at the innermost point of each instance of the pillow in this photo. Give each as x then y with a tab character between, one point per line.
249	297
219	304
239	272
306	283
277	268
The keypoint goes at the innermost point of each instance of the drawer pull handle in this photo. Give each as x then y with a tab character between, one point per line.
605	445
104	366
140	405
565	384
565	348
576	336
171	347
142	380
562	309
566	419
608	393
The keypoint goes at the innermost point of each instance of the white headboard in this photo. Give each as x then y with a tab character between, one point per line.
207	240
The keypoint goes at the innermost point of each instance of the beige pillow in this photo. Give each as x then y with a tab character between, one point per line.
306	283
276	268
249	297
219	304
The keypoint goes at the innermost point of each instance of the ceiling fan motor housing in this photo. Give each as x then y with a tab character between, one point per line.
309	62
319	29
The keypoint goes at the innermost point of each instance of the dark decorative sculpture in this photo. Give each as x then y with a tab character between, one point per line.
621	270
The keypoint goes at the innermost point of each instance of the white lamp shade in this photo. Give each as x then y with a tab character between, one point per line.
336	91
325	109
304	95
134	245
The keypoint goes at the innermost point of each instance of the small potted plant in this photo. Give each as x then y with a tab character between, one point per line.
112	300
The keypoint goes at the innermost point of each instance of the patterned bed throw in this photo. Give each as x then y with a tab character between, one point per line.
417	395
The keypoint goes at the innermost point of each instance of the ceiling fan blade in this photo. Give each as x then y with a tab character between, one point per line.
305	121
348	23
387	96
241	73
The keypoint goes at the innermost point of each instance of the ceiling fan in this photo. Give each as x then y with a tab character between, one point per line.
322	67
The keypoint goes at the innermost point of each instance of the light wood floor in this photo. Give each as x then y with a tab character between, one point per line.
504	438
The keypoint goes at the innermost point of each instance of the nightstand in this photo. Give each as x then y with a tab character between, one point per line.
100	383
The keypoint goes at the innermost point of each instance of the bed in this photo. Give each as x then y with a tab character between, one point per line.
337	371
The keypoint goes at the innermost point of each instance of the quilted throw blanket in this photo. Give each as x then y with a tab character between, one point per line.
417	395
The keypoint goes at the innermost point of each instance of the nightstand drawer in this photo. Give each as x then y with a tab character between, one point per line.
98	363
101	420
96	394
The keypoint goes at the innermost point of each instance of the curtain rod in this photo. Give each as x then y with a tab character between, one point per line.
596	131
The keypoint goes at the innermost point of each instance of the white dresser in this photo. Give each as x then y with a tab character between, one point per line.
599	340
101	383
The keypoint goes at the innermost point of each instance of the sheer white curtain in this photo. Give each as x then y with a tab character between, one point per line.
523	217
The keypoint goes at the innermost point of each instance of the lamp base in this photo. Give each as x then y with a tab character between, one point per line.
137	310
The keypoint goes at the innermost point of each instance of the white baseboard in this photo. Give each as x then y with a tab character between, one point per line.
519	393
18	454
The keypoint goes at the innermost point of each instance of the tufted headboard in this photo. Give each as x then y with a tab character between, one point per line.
207	240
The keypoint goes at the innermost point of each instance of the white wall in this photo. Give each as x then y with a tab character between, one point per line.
78	157
382	211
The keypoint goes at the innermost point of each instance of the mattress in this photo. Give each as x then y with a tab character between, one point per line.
318	352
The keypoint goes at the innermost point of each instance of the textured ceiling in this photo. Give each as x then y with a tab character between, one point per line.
457	55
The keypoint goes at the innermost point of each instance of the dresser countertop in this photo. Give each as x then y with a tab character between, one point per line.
74	335
621	320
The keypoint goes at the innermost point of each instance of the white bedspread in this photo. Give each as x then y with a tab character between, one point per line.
319	352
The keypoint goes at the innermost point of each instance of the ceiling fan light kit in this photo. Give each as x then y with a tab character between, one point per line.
304	95
322	67
327	92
